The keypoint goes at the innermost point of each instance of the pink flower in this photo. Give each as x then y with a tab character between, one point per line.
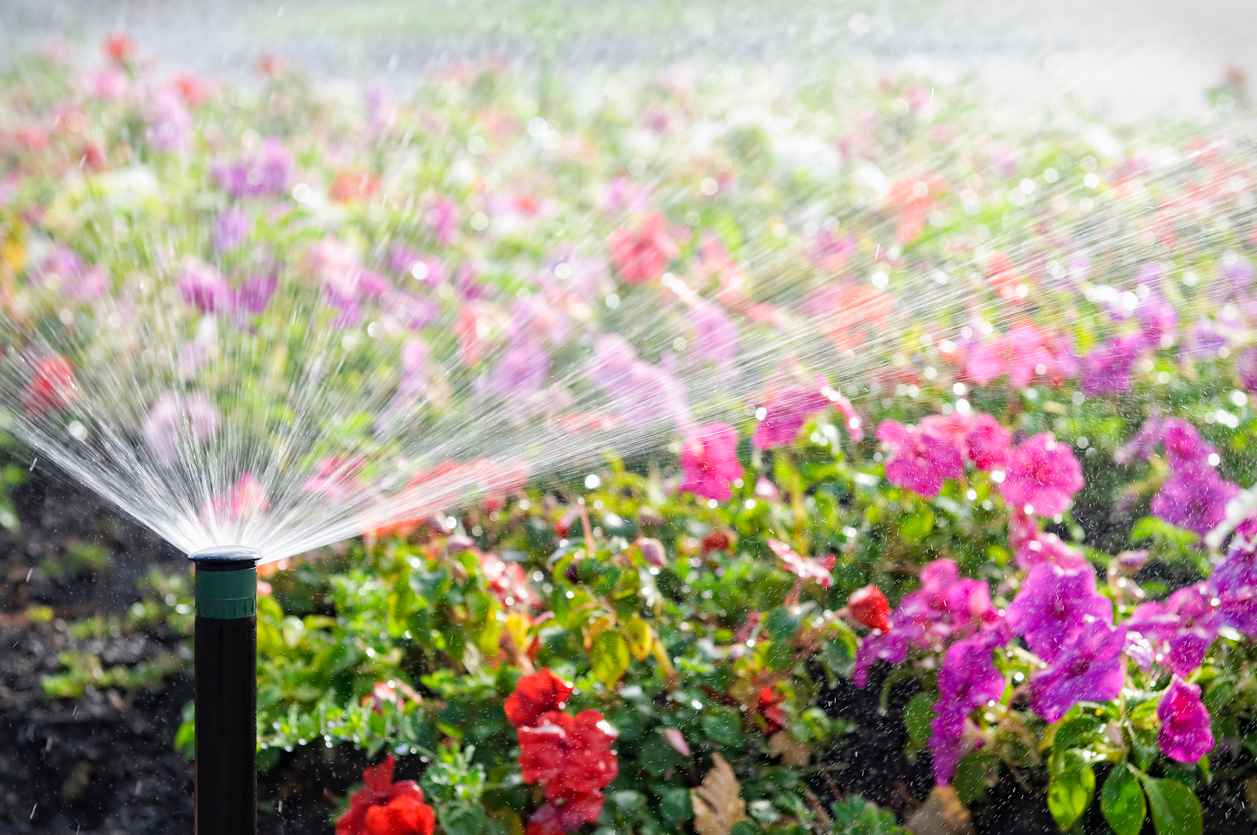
204	287
805	568
987	443
248	497
1179	630
919	461
784	415
1042	476
709	461
1054	606
175	420
335	477
1185	734
642	254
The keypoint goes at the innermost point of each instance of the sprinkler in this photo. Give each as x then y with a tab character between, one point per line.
226	691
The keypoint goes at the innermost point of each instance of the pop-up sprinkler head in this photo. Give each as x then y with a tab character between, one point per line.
226	691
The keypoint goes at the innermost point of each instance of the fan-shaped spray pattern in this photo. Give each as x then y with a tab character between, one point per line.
351	315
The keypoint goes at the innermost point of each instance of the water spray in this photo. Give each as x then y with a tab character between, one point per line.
226	691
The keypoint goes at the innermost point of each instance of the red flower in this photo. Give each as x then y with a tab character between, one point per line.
382	807
119	48
540	693
717	541
769	706
568	756
51	386
642	254
870	607
555	819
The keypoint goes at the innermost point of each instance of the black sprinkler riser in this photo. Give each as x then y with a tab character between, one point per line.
226	691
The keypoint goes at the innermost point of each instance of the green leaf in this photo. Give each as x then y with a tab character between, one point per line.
722	726
1175	808
609	657
1122	801
1077	732
917	717
674	806
1070	788
918	525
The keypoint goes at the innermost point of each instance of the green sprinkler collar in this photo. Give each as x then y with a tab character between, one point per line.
226	583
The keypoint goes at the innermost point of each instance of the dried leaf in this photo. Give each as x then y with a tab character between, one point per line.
718	803
942	813
791	751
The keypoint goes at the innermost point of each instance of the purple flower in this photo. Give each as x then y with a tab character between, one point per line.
268	172
709	461
1054	606
1042	476
1179	630
65	269
254	295
176	419
230	229
1235	584
918	461
715	335
1194	497
643	396
1205	340
1088	669
1246	368
522	369
169	123
1140	447
1185	734
968	679
204	287
415	361
1157	321
1107	369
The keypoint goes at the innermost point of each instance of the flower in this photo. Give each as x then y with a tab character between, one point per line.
1246	368
1089	668
805	568
788	409
268	172
1185	734
230	229
919	461
382	807
709	461
203	287
1194	497
768	704
508	581
1042	476
568	816
175	419
1179	630
1054	606
968	679
1183	445
1235	583
1107	369
540	693
52	386
568	756
987	443
870	607
643	253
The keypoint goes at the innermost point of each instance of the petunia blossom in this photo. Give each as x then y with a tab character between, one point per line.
1107	369
1090	668
1194	497
709	461
1042	476
203	287
535	695
918	461
1185	734
1178	630
967	679
1054	606
642	253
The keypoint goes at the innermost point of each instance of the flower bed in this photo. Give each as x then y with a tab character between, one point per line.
1013	517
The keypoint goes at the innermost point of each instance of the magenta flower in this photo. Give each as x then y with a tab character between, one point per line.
1042	476
987	443
254	295
784	415
1157	321
1141	445
919	462
946	606
967	680
1183	445
1054	606
1088	669
1185	734
267	172
204	287
1194	498
522	368
1107	369
709	461
443	219
1246	368
817	569
1178	630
